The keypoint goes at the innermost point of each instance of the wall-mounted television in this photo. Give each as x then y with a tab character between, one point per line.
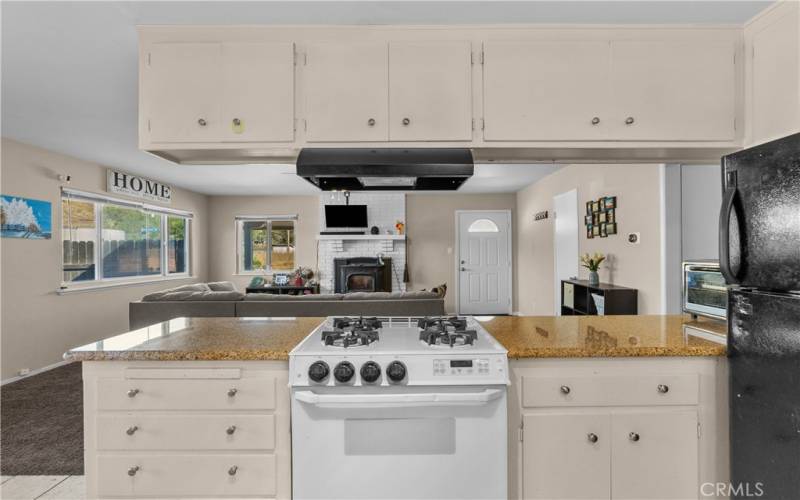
354	216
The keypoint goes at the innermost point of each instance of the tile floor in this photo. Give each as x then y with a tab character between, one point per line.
44	487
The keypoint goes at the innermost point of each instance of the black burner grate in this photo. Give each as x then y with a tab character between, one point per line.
450	331
352	332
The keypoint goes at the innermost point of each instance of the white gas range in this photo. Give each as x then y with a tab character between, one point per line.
399	408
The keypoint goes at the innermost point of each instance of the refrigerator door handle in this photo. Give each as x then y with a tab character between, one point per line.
724	236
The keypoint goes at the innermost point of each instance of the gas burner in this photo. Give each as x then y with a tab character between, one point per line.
352	332
445	331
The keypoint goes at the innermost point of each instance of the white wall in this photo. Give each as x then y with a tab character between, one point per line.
701	198
38	325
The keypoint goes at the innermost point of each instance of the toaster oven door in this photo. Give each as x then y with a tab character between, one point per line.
704	290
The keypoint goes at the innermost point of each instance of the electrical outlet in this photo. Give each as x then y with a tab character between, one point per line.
634	238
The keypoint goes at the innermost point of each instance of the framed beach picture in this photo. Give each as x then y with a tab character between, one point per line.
25	218
610	202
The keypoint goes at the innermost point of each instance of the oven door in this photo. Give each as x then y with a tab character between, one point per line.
399	442
704	290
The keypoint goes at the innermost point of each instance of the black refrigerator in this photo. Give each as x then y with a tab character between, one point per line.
760	259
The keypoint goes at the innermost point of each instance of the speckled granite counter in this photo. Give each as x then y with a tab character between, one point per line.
524	337
184	339
607	336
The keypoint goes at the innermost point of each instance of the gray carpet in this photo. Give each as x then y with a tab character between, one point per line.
41	431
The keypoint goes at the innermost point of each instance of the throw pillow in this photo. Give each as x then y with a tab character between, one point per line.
440	290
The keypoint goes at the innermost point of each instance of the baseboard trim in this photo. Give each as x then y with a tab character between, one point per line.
35	372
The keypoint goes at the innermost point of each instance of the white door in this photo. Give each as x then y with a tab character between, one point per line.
654	455
257	92
484	262
673	90
182	85
430	91
558	446
347	92
565	238
546	90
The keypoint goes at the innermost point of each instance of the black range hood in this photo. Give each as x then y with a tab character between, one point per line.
385	169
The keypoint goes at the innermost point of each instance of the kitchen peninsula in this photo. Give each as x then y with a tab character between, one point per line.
201	406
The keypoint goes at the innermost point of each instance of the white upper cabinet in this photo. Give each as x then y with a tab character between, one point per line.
430	91
347	92
774	73
182	89
212	92
257	92
546	90
673	90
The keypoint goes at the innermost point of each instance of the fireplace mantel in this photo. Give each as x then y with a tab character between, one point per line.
372	237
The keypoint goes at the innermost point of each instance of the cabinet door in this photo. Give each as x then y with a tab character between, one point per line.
775	73
545	91
672	90
562	459
257	92
654	455
430	91
182	92
347	92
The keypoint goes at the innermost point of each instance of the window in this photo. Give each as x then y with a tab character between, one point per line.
483	226
105	239
265	244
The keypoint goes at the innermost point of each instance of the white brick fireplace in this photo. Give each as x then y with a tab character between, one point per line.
383	211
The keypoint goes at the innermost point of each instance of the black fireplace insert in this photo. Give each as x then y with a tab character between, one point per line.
362	274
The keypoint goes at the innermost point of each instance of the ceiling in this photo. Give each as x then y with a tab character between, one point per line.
69	71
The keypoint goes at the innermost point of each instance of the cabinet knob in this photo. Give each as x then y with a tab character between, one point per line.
565	389
633	436
595	120
133	470
237	122
371	122
629	120
406	121
202	122
662	388
232	392
592	437
132	393
230	430
233	470
132	430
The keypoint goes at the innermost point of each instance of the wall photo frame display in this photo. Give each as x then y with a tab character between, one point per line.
601	217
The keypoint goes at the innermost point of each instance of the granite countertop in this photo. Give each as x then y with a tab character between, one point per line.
184	339
524	337
607	336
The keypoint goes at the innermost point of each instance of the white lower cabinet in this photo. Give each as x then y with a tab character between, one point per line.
187	429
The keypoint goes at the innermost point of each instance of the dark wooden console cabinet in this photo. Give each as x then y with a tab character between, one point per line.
618	299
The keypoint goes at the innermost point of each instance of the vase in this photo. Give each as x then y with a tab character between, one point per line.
594	278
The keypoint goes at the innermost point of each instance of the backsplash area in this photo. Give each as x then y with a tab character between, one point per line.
384	210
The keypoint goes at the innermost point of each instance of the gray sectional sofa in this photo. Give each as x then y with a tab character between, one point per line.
222	300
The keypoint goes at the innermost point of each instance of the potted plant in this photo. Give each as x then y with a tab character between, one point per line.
592	263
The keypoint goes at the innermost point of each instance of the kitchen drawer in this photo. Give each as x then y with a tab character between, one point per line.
149	431
185	394
602	390
163	475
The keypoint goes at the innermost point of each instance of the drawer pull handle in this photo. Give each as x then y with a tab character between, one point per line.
133	470
629	120
592	437
633	436
371	122
663	389
237	122
132	430
595	120
132	393
202	122
233	470
230	430
565	389
232	392
406	122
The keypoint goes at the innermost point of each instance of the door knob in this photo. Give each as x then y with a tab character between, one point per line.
132	430
230	430
406	121
463	268
629	120
233	470
371	122
133	392
237	122
592	437
662	388
133	470
232	392
633	436
202	122
565	389
595	120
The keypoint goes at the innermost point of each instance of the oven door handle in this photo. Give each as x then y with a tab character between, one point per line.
383	400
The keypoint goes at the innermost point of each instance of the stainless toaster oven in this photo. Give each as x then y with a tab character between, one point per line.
704	290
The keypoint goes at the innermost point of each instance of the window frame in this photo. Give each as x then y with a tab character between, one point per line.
268	220
98	202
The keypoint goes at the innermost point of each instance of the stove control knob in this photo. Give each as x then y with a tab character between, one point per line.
343	372
370	372
318	371
396	371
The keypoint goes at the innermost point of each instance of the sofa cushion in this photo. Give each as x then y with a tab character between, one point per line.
194	292
371	296
271	297
222	286
422	294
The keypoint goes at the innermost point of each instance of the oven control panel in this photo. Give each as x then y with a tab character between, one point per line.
458	367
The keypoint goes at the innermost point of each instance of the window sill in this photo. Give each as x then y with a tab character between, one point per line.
101	286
